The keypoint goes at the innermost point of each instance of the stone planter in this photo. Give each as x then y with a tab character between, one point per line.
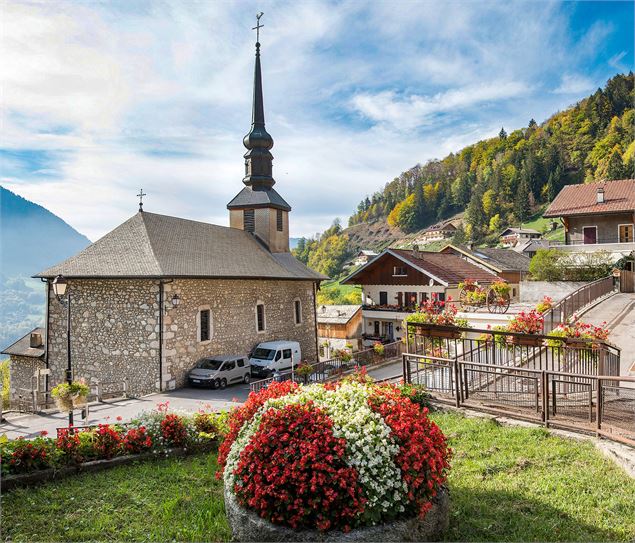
248	526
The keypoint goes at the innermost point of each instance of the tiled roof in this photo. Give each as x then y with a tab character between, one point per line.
336	314
152	245
451	269
582	199
501	259
520	231
22	347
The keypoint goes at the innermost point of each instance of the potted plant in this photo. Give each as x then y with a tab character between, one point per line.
441	317
545	305
365	481
304	369
70	395
526	324
379	349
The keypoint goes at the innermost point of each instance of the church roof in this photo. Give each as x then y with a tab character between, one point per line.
250	198
152	245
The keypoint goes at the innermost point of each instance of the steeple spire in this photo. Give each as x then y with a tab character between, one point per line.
258	159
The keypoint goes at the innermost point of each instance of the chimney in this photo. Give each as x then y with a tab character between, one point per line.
600	195
35	340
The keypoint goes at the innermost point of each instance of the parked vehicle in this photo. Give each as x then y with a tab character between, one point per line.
274	355
220	371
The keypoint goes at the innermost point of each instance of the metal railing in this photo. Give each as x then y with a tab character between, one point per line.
599	404
562	311
335	367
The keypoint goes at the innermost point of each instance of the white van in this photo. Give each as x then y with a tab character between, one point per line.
274	355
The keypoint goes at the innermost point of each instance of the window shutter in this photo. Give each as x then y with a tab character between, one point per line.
249	220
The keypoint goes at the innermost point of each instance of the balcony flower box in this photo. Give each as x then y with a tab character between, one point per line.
527	341
439	331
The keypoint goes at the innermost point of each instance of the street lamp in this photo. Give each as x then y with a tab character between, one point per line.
60	286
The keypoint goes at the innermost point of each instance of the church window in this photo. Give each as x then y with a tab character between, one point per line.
260	317
279	220
297	307
249	220
205	325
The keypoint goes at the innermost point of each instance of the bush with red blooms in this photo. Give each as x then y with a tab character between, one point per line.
137	440
69	444
295	459
173	430
107	441
423	452
334	456
28	456
244	413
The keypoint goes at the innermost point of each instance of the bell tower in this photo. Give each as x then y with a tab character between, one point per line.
258	208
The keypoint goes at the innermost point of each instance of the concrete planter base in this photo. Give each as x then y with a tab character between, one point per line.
248	526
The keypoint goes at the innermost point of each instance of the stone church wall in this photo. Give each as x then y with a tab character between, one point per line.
115	326
232	305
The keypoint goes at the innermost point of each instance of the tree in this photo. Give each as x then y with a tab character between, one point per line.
419	205
611	167
495	224
489	202
502	134
522	206
546	265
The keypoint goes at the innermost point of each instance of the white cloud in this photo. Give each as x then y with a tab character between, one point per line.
574	84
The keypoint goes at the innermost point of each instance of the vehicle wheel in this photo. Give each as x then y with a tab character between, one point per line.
216	383
223	383
246	378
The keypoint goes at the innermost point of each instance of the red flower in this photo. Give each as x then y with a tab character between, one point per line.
173	430
137	440
107	441
293	472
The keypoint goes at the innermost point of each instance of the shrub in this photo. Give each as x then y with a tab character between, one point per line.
379	348
545	305
334	456
69	444
25	456
416	394
526	323
136	440
173	430
107	441
206	423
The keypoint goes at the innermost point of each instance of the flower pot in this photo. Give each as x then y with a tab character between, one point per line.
64	403
80	401
248	526
527	340
443	332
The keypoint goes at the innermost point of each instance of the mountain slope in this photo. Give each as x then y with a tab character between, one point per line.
31	239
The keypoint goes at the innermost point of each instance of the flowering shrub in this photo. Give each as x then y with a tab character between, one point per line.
437	312
68	442
378	348
173	430
578	330
526	323
27	455
545	305
333	456
107	440
136	440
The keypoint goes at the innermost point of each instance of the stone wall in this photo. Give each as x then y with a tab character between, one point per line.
21	372
115	326
535	291
114	333
232	304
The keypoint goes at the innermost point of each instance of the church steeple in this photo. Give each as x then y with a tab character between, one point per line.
258	159
258	208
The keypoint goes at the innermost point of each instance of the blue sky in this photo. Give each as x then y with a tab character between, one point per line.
102	98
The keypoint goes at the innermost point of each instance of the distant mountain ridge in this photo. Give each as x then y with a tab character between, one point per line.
31	239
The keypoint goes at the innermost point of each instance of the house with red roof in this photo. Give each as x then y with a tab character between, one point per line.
597	216
396	282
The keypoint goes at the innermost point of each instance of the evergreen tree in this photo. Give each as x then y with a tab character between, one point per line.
522	205
502	134
419	206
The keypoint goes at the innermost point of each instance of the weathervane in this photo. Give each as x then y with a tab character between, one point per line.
258	27
141	195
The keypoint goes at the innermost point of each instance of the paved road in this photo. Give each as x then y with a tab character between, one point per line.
618	312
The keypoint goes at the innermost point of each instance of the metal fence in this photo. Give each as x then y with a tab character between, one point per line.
565	308
599	404
335	367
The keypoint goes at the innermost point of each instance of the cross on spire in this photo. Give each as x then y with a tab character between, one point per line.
258	27
140	196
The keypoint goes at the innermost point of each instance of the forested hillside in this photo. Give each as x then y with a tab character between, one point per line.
500	181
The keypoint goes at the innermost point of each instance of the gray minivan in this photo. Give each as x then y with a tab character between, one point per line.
220	371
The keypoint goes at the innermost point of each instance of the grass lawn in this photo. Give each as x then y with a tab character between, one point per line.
506	484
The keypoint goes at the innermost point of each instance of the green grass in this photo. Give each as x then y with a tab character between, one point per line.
506	484
6	383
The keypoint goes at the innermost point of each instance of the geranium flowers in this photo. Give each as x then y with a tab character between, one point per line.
333	457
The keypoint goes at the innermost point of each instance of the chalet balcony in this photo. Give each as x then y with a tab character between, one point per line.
390	308
611	244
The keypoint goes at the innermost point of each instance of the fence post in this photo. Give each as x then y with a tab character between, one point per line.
545	398
457	379
598	406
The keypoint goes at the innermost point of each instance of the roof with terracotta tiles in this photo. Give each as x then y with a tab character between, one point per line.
619	196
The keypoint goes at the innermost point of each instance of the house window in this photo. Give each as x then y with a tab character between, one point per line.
249	220
424	297
441	296
205	322
383	298
626	233
260	317
297	306
279	220
376	328
399	271
410	299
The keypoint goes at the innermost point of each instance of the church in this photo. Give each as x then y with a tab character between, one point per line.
157	293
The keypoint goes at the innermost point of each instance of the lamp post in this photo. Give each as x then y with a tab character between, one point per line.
60	286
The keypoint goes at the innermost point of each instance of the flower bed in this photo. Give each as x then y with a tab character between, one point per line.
338	456
153	432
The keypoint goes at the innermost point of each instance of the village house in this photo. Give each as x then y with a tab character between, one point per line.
155	294
597	217
363	257
436	232
509	265
511	237
339	327
396	282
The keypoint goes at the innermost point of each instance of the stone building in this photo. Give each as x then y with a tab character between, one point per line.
157	293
